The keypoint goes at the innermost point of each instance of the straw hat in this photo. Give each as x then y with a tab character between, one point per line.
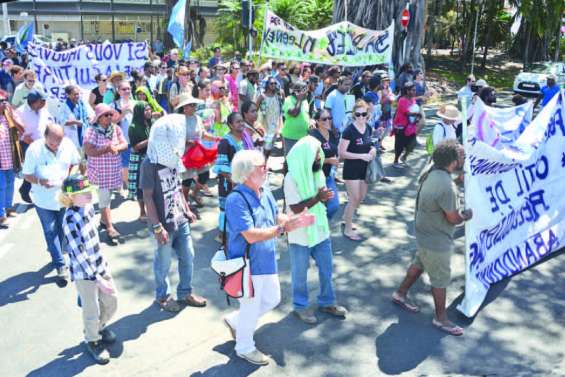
187	99
448	112
116	74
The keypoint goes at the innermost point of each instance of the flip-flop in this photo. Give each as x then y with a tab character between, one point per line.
343	227
404	304
451	329
351	238
113	234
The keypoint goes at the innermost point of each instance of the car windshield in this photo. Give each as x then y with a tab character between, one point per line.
539	68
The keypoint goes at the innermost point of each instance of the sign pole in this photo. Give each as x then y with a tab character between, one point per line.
466	176
405	21
263	33
249	36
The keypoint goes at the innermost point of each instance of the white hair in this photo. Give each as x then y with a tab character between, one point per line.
243	164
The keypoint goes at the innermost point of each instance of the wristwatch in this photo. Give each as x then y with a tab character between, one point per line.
280	230
157	228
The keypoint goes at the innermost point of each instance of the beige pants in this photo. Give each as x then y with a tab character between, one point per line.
97	308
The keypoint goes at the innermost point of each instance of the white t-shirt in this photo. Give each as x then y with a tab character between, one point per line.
443	132
292	197
34	122
44	164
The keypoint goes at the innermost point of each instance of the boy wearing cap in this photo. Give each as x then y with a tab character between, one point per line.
89	268
547	92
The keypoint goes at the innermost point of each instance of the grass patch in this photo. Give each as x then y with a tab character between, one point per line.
498	73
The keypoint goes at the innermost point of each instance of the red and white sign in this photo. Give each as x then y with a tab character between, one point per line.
405	17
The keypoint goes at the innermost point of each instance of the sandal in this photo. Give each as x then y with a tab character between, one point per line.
404	303
198	200
113	233
343	226
169	305
356	237
448	327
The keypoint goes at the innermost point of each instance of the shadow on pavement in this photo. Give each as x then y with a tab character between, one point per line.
235	367
18	288
72	362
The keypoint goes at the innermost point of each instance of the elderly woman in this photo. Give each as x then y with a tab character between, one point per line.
356	149
253	219
103	143
73	116
112	91
181	86
138	134
96	95
195	132
228	147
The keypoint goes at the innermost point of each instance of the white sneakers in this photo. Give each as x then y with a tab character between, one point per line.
254	357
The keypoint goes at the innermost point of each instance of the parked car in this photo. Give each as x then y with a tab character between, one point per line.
530	81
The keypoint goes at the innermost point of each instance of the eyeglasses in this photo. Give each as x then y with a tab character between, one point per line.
323	119
126	89
3	101
109	115
361	114
221	88
103	80
273	83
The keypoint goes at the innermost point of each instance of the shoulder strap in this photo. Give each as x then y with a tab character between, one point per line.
248	247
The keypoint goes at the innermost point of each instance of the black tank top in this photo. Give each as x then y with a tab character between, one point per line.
99	98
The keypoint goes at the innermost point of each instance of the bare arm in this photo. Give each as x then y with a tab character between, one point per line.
345	155
91	151
456	217
91	99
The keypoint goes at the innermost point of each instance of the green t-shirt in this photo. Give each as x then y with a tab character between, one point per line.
437	196
295	128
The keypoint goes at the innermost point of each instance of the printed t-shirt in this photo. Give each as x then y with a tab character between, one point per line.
328	146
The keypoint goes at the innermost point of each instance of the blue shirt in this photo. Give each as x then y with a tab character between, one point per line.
548	93
264	211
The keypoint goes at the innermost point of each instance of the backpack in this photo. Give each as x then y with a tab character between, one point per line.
430	141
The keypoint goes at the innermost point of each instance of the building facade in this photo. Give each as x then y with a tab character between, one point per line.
99	20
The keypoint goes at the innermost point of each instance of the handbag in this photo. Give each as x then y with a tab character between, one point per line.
198	156
234	274
375	170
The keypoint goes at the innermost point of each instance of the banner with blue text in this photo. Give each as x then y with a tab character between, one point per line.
79	65
515	173
344	43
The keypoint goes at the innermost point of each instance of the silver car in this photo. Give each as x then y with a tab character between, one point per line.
530	82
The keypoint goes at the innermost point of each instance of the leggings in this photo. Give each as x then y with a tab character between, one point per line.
402	142
202	179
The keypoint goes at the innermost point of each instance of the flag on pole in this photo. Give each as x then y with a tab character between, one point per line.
187	48
24	36
176	23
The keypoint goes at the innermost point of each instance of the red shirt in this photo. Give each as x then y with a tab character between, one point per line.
401	117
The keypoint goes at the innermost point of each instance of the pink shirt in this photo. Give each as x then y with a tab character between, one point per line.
401	117
232	84
34	122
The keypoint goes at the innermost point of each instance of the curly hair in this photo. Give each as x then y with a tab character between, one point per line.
445	153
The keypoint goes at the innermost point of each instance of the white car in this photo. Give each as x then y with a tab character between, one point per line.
530	82
37	39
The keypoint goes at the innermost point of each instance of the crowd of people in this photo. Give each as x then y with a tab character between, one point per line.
159	137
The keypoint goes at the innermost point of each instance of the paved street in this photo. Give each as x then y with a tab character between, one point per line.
519	331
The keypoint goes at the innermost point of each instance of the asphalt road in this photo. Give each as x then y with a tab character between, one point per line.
518	332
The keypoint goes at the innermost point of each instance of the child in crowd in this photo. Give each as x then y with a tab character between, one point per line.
89	269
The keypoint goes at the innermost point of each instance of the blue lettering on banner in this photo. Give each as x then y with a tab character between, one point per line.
484	166
555	122
517	258
488	238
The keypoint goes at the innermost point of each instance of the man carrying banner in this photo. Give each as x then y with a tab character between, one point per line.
435	220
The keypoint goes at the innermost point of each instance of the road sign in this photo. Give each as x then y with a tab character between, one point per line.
405	17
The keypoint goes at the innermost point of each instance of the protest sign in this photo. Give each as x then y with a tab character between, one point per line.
514	186
344	43
79	65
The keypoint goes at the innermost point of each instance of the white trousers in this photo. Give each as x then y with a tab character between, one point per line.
267	296
97	308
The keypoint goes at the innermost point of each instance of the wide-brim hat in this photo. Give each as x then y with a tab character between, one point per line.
116	74
187	99
102	109
449	112
77	184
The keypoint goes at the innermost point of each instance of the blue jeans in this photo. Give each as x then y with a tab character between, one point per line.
52	224
299	262
332	205
7	178
180	242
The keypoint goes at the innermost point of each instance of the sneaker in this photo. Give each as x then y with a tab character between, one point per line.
63	272
306	316
335	310
98	352
255	357
108	336
398	166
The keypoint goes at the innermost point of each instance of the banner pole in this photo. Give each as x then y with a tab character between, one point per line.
466	176
263	33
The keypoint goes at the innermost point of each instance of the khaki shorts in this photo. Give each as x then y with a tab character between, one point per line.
104	198
436	263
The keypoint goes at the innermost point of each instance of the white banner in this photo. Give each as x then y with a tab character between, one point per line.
514	185
79	65
344	43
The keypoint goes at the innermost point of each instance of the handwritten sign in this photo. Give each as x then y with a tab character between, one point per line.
344	43
515	188
79	65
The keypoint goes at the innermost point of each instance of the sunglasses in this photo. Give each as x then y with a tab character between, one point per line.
3	101
221	88
361	114
323	119
109	115
182	74
102	80
126	89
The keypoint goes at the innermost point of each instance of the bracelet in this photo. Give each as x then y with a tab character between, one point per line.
280	230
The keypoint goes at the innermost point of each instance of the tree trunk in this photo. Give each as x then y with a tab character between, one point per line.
526	50
491	12
378	14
